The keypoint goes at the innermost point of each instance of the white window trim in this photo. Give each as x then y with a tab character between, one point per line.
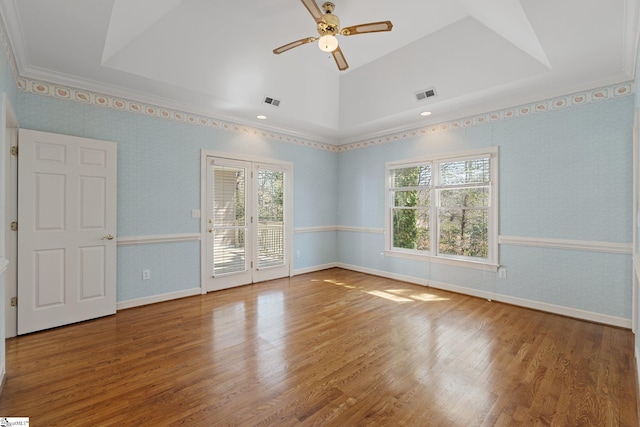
491	263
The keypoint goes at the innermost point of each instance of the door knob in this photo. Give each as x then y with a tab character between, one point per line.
108	237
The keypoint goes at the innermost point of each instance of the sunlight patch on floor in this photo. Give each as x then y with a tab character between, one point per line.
397	295
408	293
335	282
389	296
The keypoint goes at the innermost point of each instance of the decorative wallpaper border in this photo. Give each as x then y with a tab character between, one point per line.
132	106
559	103
38	87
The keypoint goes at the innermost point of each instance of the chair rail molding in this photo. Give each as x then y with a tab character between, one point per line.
162	238
567	244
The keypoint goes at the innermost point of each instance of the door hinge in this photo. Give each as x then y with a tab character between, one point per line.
14	226
14	302
14	150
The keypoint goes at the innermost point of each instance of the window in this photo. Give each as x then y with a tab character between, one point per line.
444	207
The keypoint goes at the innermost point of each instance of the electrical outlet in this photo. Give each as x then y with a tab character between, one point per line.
297	254
502	273
146	274
195	213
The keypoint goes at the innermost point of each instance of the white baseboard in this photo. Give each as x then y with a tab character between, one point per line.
121	305
314	268
521	302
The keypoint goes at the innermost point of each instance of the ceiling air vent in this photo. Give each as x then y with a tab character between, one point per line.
424	94
271	101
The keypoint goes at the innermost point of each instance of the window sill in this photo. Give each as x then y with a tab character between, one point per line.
476	265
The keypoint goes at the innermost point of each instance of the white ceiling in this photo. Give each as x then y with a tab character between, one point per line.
215	57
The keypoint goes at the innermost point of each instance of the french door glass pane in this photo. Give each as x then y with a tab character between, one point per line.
270	218
229	220
229	250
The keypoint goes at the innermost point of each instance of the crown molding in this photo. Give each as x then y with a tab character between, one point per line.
71	83
543	106
160	110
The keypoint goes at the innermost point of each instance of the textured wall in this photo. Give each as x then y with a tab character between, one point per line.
159	185
564	174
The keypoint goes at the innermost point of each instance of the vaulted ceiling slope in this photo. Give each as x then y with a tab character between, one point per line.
215	57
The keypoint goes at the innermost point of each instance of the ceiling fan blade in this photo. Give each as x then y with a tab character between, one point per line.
291	45
371	27
313	9
340	61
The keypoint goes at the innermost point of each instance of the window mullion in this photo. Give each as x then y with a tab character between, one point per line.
435	205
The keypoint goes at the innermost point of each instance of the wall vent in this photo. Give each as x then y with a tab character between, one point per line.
426	93
271	101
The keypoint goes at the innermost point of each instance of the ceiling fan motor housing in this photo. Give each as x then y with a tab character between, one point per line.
330	23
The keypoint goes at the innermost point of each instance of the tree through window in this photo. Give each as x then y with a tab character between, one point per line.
444	207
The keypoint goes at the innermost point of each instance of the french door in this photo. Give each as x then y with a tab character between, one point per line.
247	222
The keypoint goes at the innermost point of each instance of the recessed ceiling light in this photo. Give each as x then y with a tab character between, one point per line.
425	113
261	117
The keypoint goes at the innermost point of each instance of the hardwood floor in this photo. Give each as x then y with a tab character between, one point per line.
328	348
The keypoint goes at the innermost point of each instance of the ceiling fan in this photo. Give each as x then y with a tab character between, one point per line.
328	28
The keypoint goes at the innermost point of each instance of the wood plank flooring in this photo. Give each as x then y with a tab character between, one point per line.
334	348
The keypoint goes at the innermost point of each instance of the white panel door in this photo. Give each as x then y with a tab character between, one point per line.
66	230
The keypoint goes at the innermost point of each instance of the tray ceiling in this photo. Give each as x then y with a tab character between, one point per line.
216	58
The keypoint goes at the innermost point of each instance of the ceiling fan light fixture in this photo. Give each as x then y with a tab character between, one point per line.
328	43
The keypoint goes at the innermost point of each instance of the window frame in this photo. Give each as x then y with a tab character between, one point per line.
491	263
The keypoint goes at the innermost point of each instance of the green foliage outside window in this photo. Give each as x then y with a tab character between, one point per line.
463	226
462	212
270	196
412	202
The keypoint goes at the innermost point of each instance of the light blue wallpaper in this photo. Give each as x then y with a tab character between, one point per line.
159	185
315	249
564	174
173	267
567	174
